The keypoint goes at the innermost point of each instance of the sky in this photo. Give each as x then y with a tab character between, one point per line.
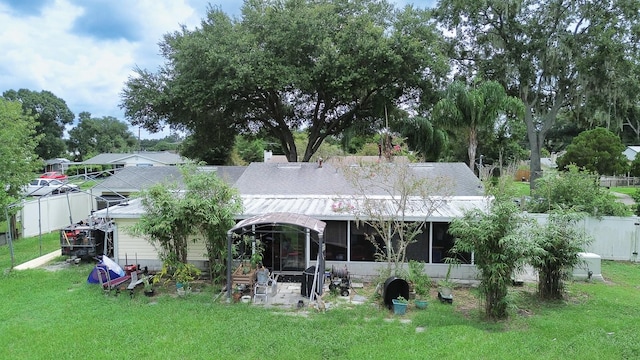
83	51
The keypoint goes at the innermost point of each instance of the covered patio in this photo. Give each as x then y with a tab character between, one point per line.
270	224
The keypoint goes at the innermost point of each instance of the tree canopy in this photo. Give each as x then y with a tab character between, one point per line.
93	136
468	110
18	159
577	190
51	114
552	54
598	150
322	66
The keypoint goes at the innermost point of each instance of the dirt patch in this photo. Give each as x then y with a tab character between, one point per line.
57	266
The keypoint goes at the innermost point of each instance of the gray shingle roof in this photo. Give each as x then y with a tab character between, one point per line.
308	189
310	179
133	179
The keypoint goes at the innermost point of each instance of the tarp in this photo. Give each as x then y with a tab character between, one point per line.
115	271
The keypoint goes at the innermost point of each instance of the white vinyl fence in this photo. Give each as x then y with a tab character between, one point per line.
54	212
614	238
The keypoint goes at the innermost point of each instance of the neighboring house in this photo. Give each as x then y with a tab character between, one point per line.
142	158
270	158
129	180
631	151
314	190
58	164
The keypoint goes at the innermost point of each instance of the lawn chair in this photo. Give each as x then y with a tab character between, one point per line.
264	286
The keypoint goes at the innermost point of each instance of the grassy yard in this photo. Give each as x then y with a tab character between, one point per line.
627	190
56	314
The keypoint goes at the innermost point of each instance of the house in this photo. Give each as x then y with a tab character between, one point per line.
631	151
130	180
142	158
57	164
318	191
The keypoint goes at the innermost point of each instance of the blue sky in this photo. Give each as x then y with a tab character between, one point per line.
83	51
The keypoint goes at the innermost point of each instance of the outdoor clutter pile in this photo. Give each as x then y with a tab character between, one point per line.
111	276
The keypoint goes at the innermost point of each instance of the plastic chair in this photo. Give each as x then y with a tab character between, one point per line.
264	285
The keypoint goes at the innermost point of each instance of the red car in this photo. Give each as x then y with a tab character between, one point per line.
54	175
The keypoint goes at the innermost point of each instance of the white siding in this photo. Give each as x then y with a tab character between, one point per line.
134	250
138	250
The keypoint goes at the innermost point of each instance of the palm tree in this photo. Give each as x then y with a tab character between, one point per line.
470	109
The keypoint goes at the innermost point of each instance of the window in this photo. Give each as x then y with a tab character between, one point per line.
442	244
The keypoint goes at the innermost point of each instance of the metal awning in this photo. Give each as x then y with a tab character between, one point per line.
272	219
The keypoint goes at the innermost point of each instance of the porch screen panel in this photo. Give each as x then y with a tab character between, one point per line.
361	247
419	250
335	238
442	244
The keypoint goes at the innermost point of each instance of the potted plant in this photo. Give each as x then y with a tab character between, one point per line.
445	286
237	293
184	275
148	286
257	253
400	305
421	283
250	262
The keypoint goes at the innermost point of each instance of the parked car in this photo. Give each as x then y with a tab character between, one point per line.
40	187
54	175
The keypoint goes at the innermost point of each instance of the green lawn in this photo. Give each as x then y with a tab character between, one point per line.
48	314
522	188
628	190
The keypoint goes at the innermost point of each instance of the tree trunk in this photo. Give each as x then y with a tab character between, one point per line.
535	144
471	151
289	146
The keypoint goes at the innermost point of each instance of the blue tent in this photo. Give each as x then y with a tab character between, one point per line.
115	271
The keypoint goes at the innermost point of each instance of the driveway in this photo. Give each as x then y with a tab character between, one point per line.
624	198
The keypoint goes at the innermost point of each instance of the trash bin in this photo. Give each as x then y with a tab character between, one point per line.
394	287
307	281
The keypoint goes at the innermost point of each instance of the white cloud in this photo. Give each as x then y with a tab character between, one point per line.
43	50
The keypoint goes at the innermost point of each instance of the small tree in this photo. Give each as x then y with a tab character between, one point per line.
164	222
558	244
577	190
18	159
598	150
498	246
386	195
211	205
205	211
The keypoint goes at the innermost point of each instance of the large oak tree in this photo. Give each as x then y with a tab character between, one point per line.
322	66
552	54
93	136
51	114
